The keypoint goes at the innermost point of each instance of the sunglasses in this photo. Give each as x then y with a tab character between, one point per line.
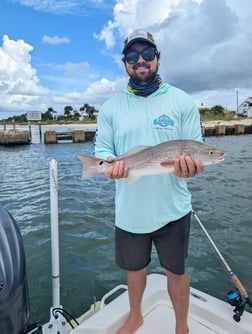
132	57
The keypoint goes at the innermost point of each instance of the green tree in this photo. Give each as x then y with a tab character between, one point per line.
217	110
89	109
68	111
48	114
76	115
204	111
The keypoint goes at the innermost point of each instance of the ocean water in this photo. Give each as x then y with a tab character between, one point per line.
221	197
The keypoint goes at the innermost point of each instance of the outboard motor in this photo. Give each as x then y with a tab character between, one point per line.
14	309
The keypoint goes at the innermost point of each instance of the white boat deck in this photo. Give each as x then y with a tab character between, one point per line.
207	315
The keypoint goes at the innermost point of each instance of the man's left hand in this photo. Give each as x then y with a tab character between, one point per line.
186	167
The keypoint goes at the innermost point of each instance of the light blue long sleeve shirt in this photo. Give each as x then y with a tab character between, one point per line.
126	121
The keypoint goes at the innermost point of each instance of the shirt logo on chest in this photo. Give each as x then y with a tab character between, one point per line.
163	122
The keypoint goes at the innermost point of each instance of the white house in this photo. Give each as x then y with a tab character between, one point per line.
84	114
95	114
54	115
245	108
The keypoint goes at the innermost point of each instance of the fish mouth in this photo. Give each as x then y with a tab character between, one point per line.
221	158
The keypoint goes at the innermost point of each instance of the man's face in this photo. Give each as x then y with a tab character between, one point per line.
142	72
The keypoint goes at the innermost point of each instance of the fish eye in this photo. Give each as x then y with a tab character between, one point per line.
211	152
100	163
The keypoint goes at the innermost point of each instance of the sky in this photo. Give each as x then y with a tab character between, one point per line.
57	53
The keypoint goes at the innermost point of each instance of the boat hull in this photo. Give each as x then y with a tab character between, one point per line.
207	314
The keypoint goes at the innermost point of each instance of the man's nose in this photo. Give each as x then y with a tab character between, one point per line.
140	59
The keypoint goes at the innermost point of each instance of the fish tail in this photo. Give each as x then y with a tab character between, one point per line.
90	166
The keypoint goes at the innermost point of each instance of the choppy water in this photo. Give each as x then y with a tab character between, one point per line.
222	198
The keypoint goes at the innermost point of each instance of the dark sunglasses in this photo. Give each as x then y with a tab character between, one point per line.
132	57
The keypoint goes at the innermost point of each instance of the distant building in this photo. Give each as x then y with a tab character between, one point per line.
84	114
54	115
245	108
95	114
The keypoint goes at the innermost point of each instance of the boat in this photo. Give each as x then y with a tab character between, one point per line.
207	314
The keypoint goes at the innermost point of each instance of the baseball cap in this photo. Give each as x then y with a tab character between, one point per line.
138	35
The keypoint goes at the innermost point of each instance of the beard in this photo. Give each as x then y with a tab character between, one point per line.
143	78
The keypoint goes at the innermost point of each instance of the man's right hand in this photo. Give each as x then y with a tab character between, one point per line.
117	170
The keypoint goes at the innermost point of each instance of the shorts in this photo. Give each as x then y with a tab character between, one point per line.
133	251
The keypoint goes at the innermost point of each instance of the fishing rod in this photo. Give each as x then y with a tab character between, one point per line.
233	298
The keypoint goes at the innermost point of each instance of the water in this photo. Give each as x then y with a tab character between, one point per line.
222	198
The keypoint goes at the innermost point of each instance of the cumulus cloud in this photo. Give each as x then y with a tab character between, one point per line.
95	94
19	84
76	7
107	34
55	40
205	45
70	7
104	88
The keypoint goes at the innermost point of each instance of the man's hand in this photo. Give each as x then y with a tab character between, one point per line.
186	167
117	171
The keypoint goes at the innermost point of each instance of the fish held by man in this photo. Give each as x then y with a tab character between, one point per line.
150	160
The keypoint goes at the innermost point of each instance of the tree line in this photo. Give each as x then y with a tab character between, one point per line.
70	113
216	112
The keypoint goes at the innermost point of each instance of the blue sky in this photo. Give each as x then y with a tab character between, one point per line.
55	53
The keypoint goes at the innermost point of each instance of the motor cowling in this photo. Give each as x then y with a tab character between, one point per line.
14	308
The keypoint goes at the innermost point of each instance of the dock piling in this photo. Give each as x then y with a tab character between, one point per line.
78	136
239	129
50	137
220	130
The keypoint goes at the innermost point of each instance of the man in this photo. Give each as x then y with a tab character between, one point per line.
155	209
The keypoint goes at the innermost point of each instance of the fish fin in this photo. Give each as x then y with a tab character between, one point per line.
132	151
169	164
90	166
132	178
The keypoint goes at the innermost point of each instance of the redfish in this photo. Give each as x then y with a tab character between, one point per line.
158	159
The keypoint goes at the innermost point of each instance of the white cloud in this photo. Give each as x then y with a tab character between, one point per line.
206	48
76	68
107	34
104	88
95	94
19	84
20	90
131	14
69	7
55	40
76	7
206	45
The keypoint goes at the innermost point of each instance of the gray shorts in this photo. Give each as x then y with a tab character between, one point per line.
133	251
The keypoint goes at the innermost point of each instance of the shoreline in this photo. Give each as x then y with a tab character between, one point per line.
80	133
76	126
246	122
92	126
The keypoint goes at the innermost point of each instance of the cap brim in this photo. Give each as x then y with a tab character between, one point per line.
135	41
